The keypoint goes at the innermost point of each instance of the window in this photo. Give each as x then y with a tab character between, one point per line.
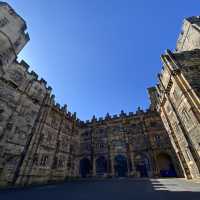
49	137
176	94
186	115
100	146
35	159
44	160
54	122
60	163
188	155
55	163
157	137
186	118
176	128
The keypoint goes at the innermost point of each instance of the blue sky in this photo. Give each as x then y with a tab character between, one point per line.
101	55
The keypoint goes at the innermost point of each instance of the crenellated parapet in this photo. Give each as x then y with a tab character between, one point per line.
121	116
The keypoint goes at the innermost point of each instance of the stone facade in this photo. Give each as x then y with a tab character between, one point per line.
178	104
42	142
137	139
177	97
189	37
37	137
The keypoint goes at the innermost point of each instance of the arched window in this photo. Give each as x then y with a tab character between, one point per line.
85	167
165	165
44	159
121	166
142	165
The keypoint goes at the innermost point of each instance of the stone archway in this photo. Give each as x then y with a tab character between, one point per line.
142	165
101	166
165	165
121	167
85	167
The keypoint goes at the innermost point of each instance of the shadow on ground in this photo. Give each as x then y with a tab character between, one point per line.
113	189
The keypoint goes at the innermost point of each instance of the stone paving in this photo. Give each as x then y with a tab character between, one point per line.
175	185
112	189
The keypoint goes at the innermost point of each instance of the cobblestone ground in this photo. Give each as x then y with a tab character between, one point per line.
113	189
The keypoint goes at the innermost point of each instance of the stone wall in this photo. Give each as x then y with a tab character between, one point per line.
189	37
37	137
42	142
140	137
179	106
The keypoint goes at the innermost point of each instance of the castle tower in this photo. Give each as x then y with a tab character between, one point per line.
153	98
179	106
189	37
12	34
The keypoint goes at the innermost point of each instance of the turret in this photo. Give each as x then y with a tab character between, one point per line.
12	34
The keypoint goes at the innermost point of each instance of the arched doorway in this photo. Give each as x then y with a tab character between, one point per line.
121	168
142	165
101	166
165	165
85	167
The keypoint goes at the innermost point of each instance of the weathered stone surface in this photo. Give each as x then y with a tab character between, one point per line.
189	37
41	142
179	105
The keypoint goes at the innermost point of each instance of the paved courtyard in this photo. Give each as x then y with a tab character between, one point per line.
113	189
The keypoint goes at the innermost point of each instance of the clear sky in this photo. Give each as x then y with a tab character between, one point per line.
99	56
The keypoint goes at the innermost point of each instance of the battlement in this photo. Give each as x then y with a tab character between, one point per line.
120	116
42	84
193	19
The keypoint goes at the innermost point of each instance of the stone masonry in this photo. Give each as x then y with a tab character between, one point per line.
177	97
42	142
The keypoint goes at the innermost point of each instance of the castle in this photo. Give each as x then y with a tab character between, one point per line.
41	142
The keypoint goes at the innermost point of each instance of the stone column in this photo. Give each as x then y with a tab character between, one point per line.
94	167
112	166
133	172
156	172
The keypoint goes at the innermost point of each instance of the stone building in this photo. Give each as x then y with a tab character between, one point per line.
179	106
189	37
37	137
134	144
177	97
42	142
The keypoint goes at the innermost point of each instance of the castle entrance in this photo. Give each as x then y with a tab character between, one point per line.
121	167
85	167
142	165
101	166
165	165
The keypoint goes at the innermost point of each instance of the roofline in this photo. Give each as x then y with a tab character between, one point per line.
2	3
